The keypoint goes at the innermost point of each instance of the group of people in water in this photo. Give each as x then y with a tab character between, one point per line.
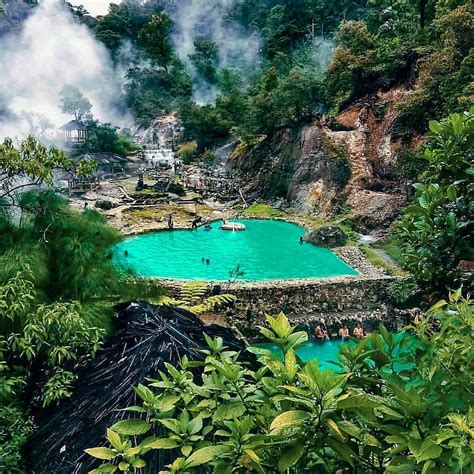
321	332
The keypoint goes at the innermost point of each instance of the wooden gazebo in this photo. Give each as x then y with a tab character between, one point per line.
74	133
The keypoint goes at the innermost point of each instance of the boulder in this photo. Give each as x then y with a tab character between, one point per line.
326	236
375	210
104	205
175	188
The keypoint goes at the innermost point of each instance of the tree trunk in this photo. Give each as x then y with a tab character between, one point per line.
422	10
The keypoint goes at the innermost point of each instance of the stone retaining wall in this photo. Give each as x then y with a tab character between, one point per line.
297	298
312	297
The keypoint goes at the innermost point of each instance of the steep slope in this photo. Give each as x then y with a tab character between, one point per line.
320	166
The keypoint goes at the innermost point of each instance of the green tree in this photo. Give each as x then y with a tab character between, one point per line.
26	165
103	137
151	92
154	38
124	22
300	93
436	229
73	102
205	58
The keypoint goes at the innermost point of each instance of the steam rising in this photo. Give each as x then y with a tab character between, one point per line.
51	50
209	19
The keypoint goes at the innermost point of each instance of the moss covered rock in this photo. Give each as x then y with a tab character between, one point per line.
326	236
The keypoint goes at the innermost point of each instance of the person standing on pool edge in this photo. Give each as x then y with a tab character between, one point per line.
170	222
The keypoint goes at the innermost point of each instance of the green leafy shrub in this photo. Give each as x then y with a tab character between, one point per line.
15	428
396	404
435	229
187	152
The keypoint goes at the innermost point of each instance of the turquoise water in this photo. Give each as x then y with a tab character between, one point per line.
324	352
267	250
327	352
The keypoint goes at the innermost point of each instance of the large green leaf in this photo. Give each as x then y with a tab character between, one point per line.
357	400
114	440
204	455
101	453
195	425
290	455
132	427
424	450
158	443
229	411
342	449
435	126
289	418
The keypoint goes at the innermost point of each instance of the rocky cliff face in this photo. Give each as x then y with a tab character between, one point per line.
320	166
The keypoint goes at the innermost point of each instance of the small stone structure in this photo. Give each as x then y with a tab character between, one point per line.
296	298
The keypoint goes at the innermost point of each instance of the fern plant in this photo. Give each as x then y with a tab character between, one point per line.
193	298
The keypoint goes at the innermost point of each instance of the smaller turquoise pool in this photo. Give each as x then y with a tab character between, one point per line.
267	250
324	352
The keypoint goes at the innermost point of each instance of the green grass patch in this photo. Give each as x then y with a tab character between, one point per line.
393	249
263	210
377	260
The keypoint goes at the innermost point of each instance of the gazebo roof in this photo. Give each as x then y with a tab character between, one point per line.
73	125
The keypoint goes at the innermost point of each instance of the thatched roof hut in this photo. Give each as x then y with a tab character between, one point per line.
146	337
106	162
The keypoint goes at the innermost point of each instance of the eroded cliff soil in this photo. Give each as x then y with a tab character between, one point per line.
320	166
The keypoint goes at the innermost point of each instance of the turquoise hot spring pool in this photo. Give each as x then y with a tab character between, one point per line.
266	250
327	352
324	352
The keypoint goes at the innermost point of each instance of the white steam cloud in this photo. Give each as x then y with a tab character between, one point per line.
209	19
50	51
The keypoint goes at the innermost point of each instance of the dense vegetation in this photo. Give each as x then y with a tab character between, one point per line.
436	230
379	45
395	404
58	285
54	277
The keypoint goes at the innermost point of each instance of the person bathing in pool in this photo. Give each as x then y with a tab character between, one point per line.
358	331
321	333
344	333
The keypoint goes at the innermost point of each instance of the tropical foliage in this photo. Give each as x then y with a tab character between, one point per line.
436	229
30	163
194	298
394	403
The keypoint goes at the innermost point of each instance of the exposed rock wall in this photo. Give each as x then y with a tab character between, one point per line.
319	166
302	165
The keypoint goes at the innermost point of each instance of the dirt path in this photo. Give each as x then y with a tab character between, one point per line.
387	257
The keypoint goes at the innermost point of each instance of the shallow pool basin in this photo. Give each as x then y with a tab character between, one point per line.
266	250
